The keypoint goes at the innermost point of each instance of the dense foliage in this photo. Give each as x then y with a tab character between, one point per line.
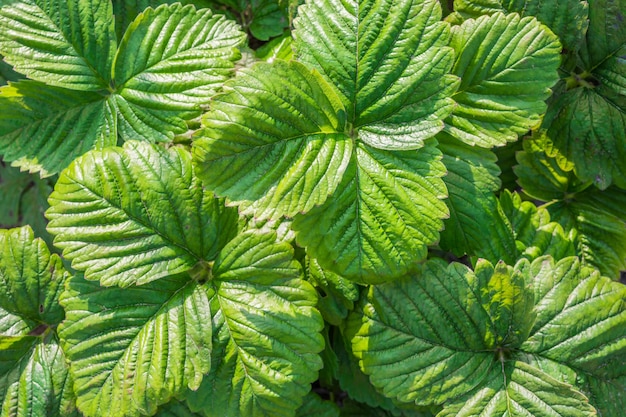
326	207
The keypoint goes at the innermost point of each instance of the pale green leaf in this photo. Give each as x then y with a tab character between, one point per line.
389	62
67	44
266	333
518	389
476	225
354	234
44	128
581	317
132	349
136	214
507	65
33	371
277	48
566	18
412	354
274	146
170	62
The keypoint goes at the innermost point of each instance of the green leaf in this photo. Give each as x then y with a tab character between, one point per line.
606	34
44	128
476	225
132	349
412	355
507	65
7	73
607	395
581	317
535	234
277	48
23	200
175	408
190	54
266	332
278	146
33	372
267	18
353	233
135	214
566	18
542	177
66	44
520	390
586	126
388	61
314	406
339	293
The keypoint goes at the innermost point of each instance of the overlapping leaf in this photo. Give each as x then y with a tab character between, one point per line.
585	124
507	65
471	181
384	213
67	44
566	18
594	219
44	128
170	61
132	349
389	62
495	321
519	389
33	371
135	214
266	333
276	147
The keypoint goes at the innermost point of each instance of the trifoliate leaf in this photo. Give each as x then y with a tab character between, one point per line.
476	225
388	61
413	358
131	349
275	146
191	53
266	333
566	18
518	389
44	128
354	234
66	44
135	214
314	406
493	319
507	65
33	372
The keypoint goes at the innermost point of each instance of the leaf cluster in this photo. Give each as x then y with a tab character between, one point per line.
290	208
